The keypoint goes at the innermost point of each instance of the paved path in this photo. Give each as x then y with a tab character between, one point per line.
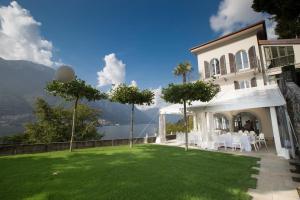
274	181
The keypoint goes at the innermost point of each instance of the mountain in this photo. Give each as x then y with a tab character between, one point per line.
21	82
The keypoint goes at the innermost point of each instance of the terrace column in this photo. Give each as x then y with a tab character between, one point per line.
161	138
276	135
195	127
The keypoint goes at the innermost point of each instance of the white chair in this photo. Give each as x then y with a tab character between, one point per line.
236	142
252	133
261	139
219	141
246	132
254	142
240	132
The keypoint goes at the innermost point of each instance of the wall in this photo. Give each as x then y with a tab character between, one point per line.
58	146
240	43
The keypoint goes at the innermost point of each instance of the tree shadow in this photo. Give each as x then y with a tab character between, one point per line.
144	172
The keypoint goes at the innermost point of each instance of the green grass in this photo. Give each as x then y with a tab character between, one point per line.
145	172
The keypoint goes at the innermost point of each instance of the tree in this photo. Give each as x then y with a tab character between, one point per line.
53	124
179	126
183	69
74	91
188	92
285	12
131	95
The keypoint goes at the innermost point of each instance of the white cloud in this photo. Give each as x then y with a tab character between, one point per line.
158	101
133	83
235	14
20	37
113	72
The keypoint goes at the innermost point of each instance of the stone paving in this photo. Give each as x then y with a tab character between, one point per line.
274	181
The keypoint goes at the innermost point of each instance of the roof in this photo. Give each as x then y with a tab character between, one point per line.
257	97
278	42
260	23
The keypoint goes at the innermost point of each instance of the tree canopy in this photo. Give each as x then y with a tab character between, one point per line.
74	89
199	90
182	69
285	12
131	95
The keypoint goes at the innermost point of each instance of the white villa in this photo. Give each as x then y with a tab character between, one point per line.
246	66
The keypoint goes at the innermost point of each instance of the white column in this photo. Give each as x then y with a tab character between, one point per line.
195	128
211	125
280	151
161	138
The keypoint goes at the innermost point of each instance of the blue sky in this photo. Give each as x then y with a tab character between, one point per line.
149	36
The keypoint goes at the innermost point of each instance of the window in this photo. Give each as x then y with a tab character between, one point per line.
279	56
214	67
241	60
244	84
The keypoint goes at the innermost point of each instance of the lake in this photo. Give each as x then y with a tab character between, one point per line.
122	131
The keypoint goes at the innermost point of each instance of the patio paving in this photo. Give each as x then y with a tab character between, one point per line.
274	181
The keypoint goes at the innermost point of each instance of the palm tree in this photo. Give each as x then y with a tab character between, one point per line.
183	69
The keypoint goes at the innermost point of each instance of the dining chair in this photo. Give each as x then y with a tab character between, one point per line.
254	142
262	139
236	142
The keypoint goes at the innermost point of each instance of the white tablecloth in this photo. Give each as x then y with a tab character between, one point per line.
244	139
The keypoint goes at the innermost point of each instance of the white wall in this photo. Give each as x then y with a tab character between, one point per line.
241	43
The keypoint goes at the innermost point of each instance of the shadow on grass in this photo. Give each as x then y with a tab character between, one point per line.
144	172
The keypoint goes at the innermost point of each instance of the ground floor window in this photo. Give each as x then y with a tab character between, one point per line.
246	121
244	84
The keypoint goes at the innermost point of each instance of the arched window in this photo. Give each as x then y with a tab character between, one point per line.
214	67
241	60
246	121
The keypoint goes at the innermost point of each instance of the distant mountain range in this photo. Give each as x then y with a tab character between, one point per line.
21	82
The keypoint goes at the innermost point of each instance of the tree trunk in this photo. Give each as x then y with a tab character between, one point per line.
73	124
131	130
185	117
184	78
185	126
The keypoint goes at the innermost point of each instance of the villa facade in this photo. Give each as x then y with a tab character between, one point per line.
247	67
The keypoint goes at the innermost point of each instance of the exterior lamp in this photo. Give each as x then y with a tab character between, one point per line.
64	74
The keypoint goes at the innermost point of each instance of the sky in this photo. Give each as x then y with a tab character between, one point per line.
114	41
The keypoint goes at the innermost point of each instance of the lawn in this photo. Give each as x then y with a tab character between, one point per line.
145	172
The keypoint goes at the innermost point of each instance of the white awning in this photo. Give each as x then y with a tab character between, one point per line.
266	96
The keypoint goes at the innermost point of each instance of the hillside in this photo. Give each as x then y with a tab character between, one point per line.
21	82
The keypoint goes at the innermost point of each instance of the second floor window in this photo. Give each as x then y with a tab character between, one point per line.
241	60
214	67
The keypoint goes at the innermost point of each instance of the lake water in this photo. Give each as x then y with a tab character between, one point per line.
122	131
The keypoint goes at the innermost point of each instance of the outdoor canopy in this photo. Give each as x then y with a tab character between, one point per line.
234	100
